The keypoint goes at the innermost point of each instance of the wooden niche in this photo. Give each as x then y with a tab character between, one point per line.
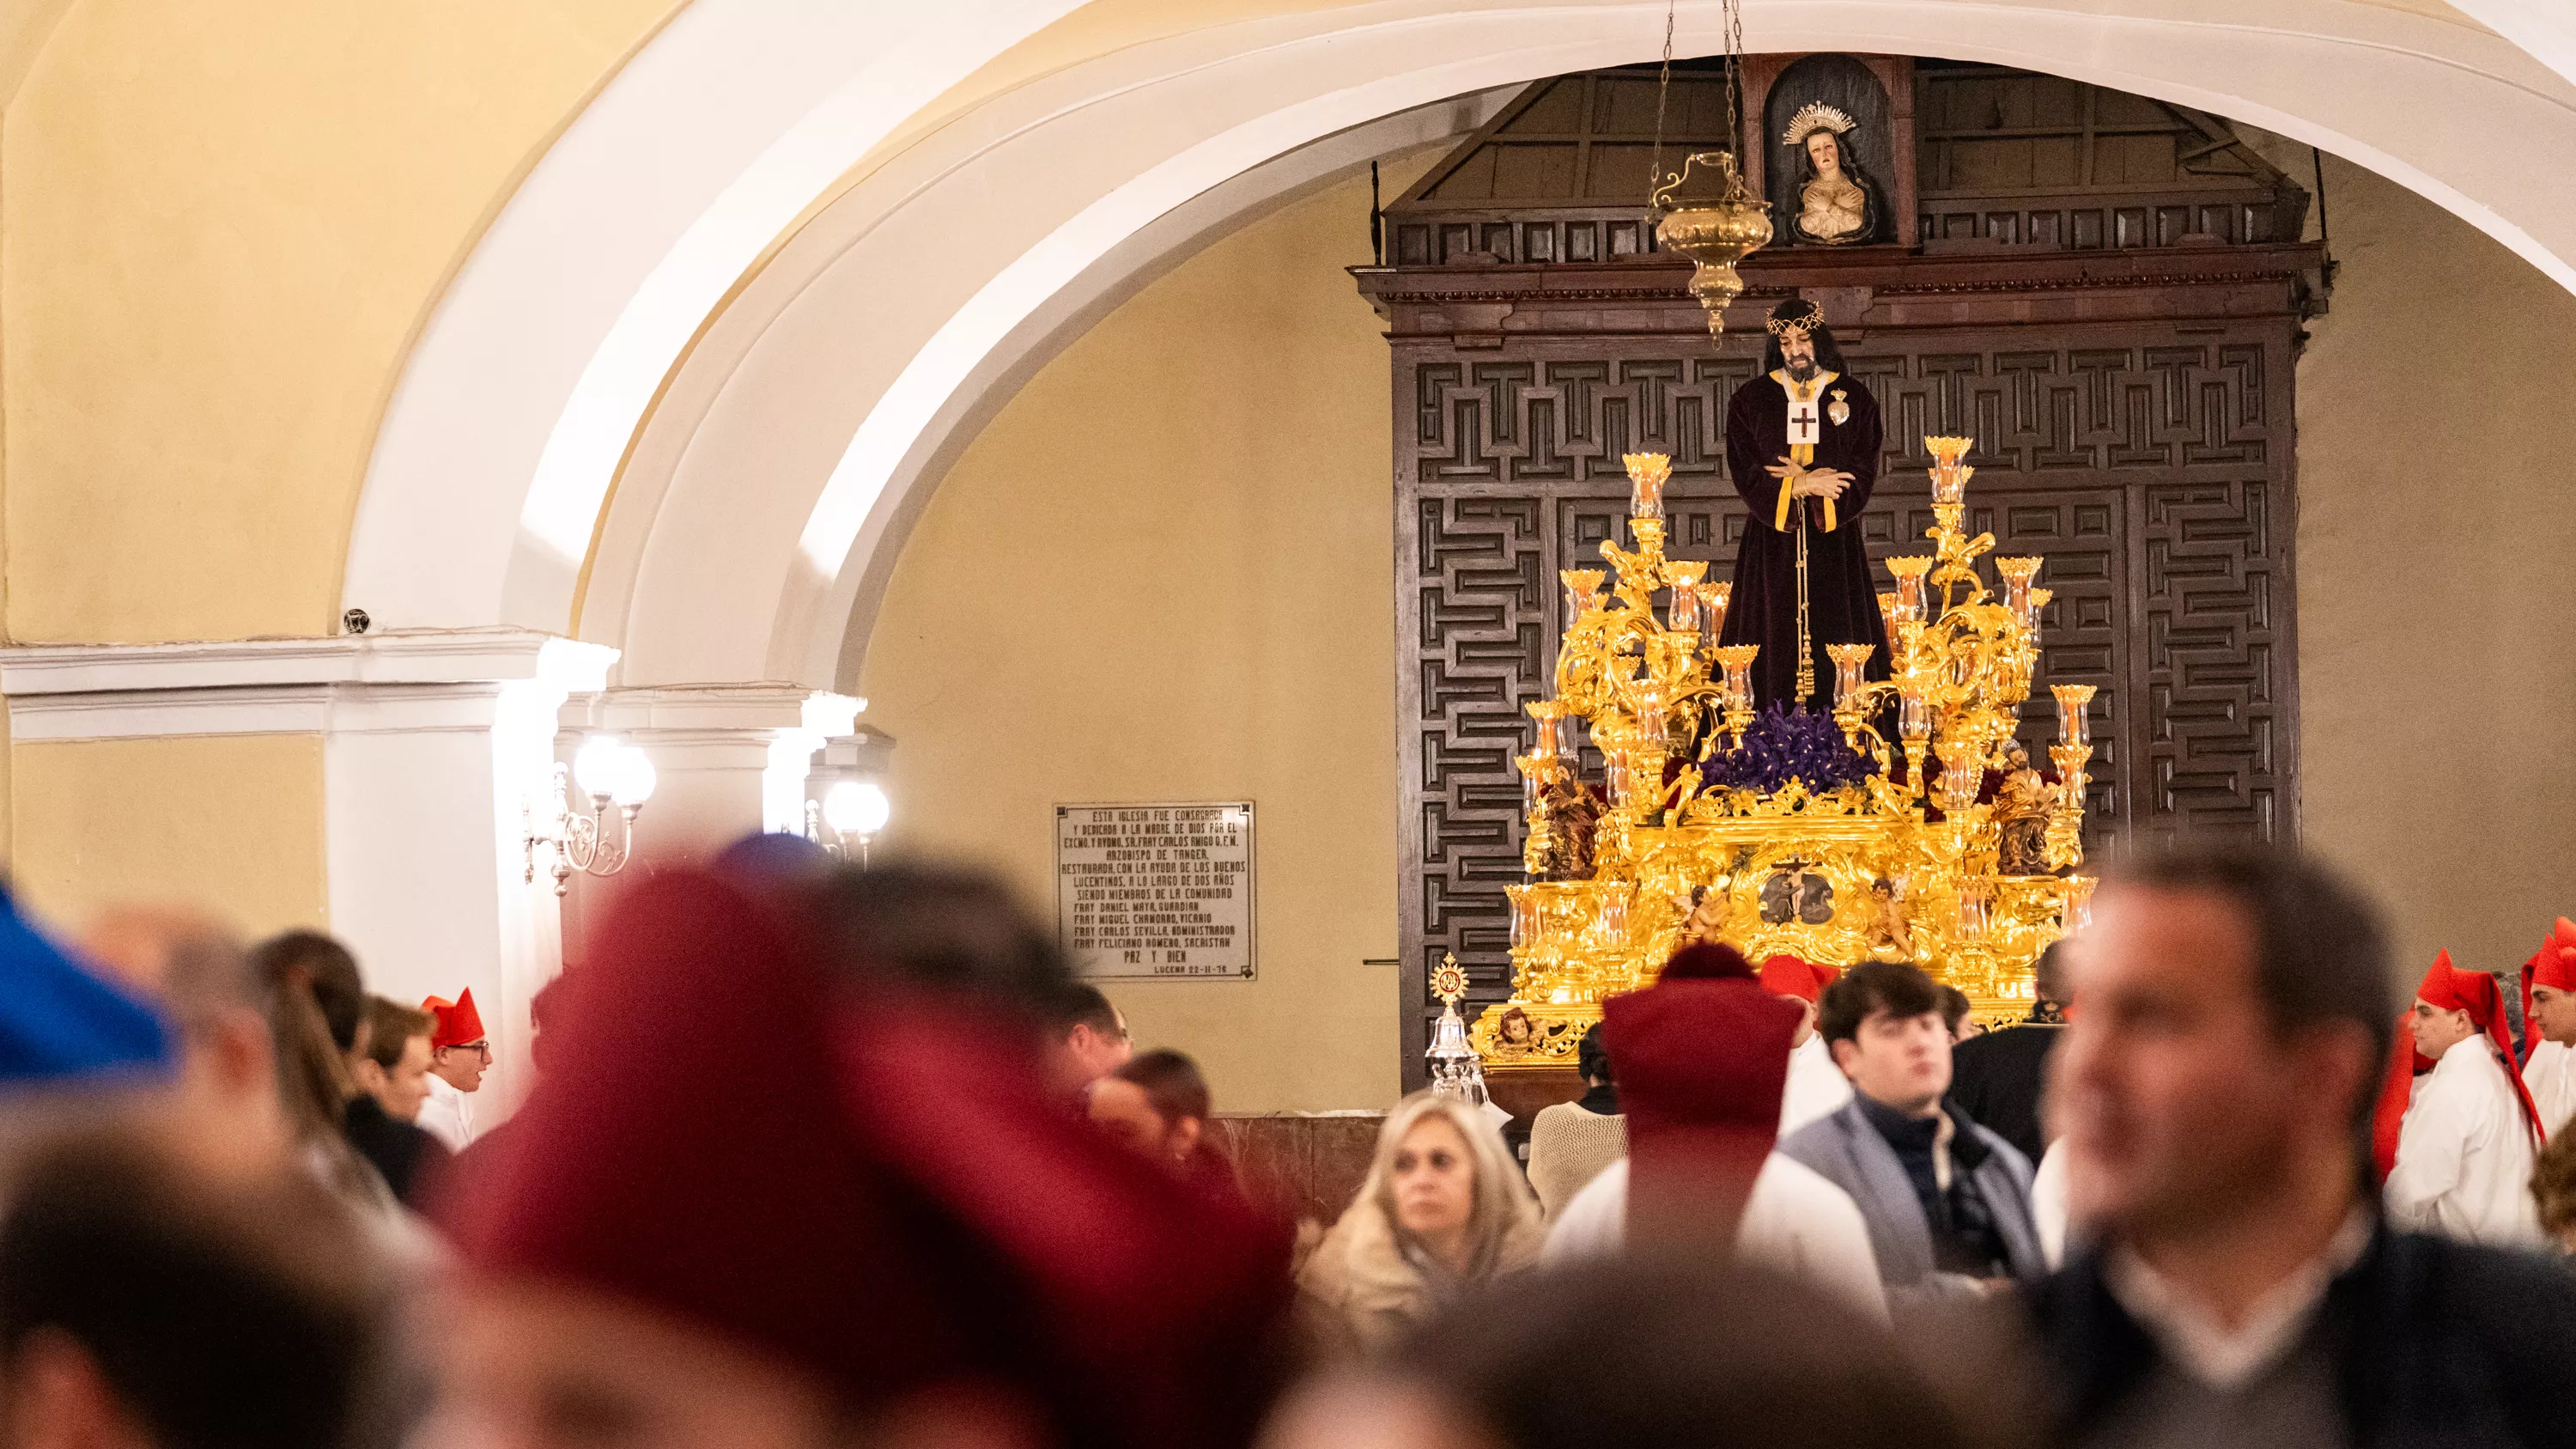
2106	291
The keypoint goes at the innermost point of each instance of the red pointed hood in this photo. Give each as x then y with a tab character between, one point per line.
453	1023
2447	988
1786	975
1702	1058
2553	966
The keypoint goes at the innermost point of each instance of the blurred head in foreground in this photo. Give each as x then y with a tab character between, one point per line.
851	1213
151	1299
2221	1065
1644	1353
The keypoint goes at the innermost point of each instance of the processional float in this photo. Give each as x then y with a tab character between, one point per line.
1906	825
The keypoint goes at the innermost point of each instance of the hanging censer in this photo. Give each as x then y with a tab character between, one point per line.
1719	234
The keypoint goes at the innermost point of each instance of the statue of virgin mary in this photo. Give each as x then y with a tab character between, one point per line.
1838	203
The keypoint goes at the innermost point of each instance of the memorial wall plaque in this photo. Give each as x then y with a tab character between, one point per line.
1155	891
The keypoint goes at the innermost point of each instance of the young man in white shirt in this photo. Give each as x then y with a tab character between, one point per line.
2465	1144
2549	1026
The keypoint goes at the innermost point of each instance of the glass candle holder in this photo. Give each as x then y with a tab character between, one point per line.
2077	902
2038	606
1614	916
1682	616
1582	592
1737	661
1949	477
1712	608
1908	571
1849	661
1528	921
1913	713
1974	898
1647	475
1548	713
1536	772
2017	574
1961	777
2074	702
1653	721
1887	607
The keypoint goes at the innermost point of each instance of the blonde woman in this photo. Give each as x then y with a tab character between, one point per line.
1443	1209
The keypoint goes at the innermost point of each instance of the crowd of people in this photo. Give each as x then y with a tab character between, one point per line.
819	1155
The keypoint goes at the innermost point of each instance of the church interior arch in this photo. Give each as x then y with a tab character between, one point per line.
750	345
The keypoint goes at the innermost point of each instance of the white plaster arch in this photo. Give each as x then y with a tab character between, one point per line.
770	493
544	351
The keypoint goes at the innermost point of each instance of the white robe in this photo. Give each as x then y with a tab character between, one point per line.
2048	1203
1817	1088
1796	1222
2551	1076
448	1115
2464	1154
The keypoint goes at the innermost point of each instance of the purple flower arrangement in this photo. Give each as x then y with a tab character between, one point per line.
1785	745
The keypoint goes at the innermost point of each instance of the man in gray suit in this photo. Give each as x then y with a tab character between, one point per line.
1947	1202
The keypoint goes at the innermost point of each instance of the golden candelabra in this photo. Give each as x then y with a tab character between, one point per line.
1940	845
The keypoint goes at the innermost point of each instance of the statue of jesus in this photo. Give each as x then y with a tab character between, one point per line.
1802	445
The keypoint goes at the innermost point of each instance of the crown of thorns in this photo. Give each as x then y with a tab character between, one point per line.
1807	321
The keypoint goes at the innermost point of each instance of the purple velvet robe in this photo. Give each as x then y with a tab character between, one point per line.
1842	600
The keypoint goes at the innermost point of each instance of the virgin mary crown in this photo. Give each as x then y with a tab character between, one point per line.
1813	117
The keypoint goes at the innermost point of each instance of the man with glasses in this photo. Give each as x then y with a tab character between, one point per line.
459	1053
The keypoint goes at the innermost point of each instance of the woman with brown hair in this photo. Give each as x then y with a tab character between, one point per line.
1442	1211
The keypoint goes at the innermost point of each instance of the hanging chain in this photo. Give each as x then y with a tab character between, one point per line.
1733	12
1663	92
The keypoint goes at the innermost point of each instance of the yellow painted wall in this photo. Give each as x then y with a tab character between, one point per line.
229	823
2437	521
1164	572
220	226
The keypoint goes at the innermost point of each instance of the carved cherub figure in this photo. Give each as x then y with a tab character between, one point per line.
1889	937
2023	802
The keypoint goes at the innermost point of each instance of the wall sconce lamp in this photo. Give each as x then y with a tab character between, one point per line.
850	810
610	772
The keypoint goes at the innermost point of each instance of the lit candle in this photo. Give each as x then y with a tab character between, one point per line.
1651	719
1712	607
1683	616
